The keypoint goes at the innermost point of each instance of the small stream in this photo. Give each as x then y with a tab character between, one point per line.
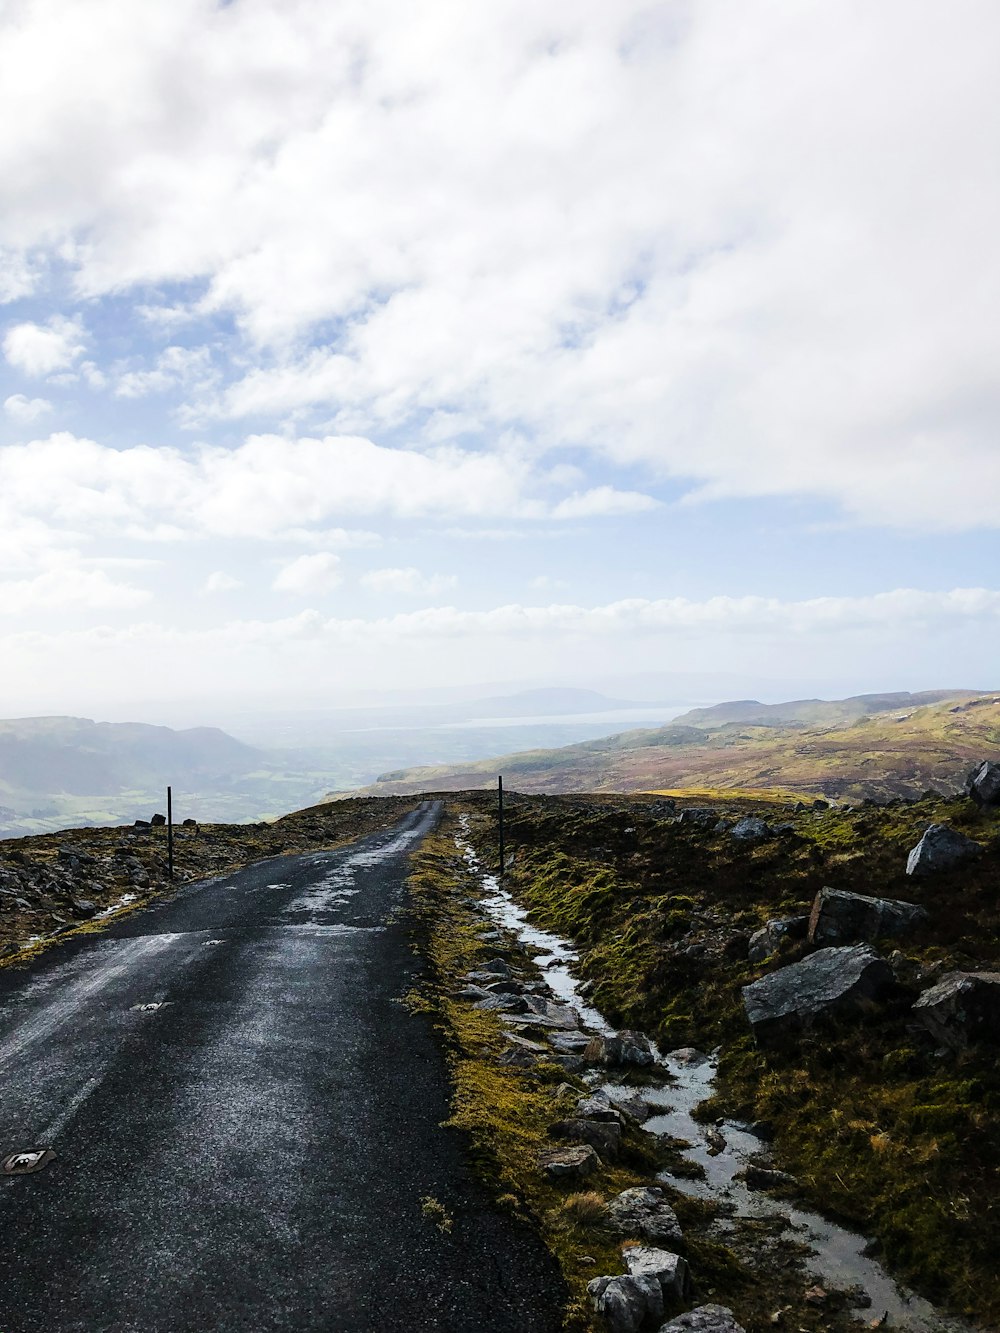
837	1257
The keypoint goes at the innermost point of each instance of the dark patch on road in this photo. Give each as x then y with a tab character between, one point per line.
254	1152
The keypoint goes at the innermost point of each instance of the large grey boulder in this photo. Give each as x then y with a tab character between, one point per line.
839	917
983	784
700	818
827	981
750	829
644	1211
939	848
620	1050
705	1319
765	941
655	1279
963	1008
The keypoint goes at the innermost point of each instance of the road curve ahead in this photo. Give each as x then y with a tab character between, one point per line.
246	1120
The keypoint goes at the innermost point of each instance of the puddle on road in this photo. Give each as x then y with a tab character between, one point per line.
837	1256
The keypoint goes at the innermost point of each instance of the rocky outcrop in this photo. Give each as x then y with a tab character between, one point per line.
619	1051
644	1211
839	917
962	1009
766	941
940	848
705	1319
828	981
983	784
655	1280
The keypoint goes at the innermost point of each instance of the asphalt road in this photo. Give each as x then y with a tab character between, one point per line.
251	1154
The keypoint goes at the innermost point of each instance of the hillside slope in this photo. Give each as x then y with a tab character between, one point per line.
900	746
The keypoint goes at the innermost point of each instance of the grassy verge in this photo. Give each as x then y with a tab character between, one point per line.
883	1131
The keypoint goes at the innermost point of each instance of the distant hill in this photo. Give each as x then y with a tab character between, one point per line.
873	745
60	771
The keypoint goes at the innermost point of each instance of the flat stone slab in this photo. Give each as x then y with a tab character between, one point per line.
705	1319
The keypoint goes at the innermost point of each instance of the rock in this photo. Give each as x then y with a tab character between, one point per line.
839	917
569	1163
142	823
626	1303
820	805
624	1048
189	823
504	1004
598	1107
826	981
687	1055
962	1009
644	1211
632	1105
670	1270
750	829
506	988
158	821
604	1136
699	818
83	907
939	848
765	941
705	1319
983	784
764	1178
496	967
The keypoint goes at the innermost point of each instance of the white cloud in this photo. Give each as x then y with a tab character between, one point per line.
175	367
68	587
603	500
307	655
309	574
25	409
220	581
268	487
40	349
407	581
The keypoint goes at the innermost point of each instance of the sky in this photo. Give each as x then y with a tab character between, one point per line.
351	347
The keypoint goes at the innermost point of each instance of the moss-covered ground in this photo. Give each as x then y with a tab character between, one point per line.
883	1130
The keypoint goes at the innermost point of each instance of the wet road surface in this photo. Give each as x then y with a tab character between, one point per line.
246	1120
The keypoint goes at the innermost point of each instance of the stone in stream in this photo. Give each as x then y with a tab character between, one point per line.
624	1048
765	941
598	1106
631	1104
604	1136
655	1278
827	981
962	1009
644	1211
839	917
705	1319
765	1178
983	784
494	969
504	1004
567	1164
939	848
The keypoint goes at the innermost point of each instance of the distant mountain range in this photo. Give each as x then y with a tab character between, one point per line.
877	745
